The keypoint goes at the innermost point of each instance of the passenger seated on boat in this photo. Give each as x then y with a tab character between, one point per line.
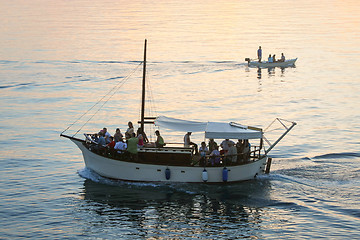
231	155
118	135
107	135
270	59
101	144
159	140
101	140
212	145
142	137
225	146
214	157
111	144
129	131
188	142
282	58
120	146
203	152
132	146
274	59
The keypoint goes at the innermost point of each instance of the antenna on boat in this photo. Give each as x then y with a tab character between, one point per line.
143	90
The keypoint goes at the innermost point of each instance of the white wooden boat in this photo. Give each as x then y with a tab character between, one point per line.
180	164
265	64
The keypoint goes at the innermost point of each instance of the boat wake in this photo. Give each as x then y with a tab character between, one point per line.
338	155
93	176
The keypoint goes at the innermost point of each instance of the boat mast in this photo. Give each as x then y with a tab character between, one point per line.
143	90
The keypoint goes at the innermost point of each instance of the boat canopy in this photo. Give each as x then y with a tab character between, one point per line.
216	130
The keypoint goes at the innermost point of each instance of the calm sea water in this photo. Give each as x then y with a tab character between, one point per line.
58	58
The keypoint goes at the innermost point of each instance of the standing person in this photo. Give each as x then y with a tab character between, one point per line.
159	140
259	53
129	131
188	143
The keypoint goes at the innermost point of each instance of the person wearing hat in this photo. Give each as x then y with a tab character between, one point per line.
188	143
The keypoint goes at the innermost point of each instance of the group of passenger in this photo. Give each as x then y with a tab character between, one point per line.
118	144
273	59
230	153
270	58
210	155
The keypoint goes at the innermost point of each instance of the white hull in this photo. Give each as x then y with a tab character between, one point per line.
131	171
287	63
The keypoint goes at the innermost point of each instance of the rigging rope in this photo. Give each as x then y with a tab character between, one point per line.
114	90
150	109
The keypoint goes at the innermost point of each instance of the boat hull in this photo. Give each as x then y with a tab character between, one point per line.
140	172
287	63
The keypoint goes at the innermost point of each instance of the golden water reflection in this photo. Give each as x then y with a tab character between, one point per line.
157	210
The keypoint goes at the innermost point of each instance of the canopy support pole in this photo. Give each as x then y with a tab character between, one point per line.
281	137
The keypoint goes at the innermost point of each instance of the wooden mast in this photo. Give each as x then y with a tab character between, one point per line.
143	90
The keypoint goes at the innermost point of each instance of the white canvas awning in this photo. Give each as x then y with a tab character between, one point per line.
216	130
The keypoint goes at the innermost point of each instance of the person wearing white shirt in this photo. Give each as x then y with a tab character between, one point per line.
107	135
188	143
225	145
120	146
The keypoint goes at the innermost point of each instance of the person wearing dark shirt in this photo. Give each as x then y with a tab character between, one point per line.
259	53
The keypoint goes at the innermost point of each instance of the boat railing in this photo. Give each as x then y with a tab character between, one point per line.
242	158
255	153
166	149
225	159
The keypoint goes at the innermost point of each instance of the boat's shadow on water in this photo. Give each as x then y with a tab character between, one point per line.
271	71
219	205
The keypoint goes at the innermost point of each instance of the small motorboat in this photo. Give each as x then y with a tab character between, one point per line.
266	64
